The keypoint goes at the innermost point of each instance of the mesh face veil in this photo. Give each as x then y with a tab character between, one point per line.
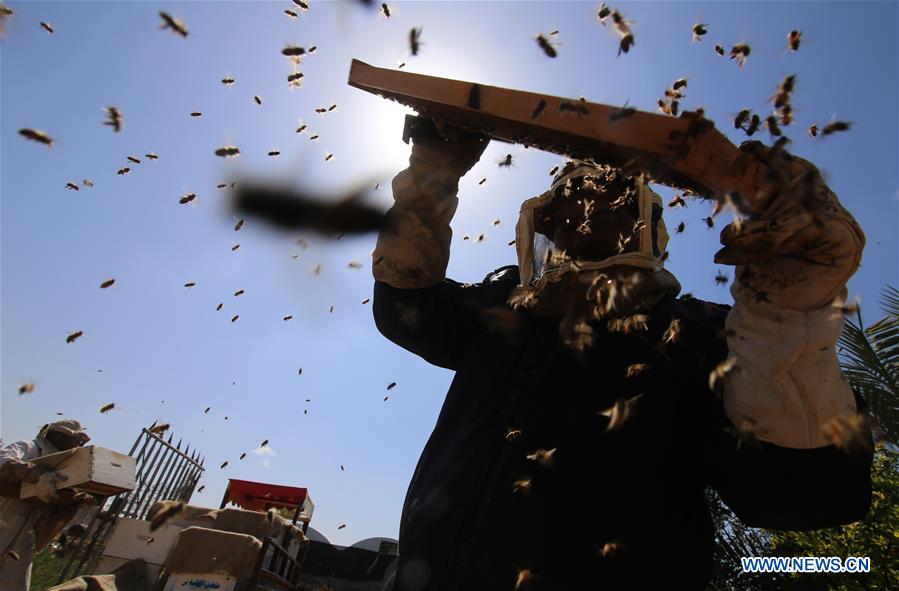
542	261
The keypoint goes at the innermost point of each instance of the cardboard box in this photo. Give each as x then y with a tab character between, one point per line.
91	469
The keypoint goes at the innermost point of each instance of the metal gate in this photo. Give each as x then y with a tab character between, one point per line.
163	472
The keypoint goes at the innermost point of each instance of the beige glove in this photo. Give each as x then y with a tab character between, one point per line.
47	488
793	260
413	248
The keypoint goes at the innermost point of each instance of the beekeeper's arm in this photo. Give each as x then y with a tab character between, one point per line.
415	305
14	469
793	260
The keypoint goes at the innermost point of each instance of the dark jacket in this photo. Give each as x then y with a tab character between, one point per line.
617	509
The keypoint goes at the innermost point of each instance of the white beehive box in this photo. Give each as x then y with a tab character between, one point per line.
91	469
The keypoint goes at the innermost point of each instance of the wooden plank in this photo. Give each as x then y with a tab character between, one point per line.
92	469
686	152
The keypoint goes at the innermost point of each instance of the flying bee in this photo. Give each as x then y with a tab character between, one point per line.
497	222
274	153
787	85
673	107
321	110
623	113
26	388
522	486
679	83
482	181
677	201
680	228
87	183
481	238
391	385
720	373
812	130
754	123
603	14
234	318
235	247
167	510
771	123
544	457
570	107
228	152
627	41
317	269
108	283
224	465
228	81
107	407
123	171
672	334
786	114
113	118
721	278
293	51
73	186
414	40
47	27
835	127
202	486
218	308
196	114
354	265
242	456
507	161
168	22
151	156
133	159
290	13
793	38
553	171
546	46
294	79
286	318
385	10
635	369
190	284
709	222
620	412
329	156
238	225
159	429
849	433
698	30
187	198
332	107
239	292
302	127
739	53
301	4
313	137
258	100
719	49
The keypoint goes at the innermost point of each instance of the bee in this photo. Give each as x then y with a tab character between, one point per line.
847	307
208	408
739	53
258	100
569	107
301	4
341	526
317	269
672	334
202	486
73	186
507	161
622	113
293	51
167	510
332	107
754	123
365	301
627	41
680	228
354	265
172	23
402	65
107	407
123	171
482	181
87	183
620	412
511	242
151	156
235	247
133	159
239	292
159	429
391	385
546	46
385	10
835	127
108	283
299	373
47	27
26	388
187	198
522	486
294	79
481	238
286	318
771	123
793	38
221	185
603	14
698	30
228	81
238	225
497	222
274	153
190	284
224	465
677	201
196	114
786	114
234	318
672	108
414	40
719	49
113	118
849	433
313	137
709	222
786	86
553	171
290	13
328	156
721	371
721	278
635	369
610	549
679	83
302	243
538	108
228	152
302	127
544	457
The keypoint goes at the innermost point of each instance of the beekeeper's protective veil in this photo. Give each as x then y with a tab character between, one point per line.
565	260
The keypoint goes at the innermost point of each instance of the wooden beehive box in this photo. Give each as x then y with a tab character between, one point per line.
90	469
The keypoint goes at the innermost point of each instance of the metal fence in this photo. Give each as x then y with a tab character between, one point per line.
163	472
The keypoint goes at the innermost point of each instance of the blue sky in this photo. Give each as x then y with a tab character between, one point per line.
164	351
